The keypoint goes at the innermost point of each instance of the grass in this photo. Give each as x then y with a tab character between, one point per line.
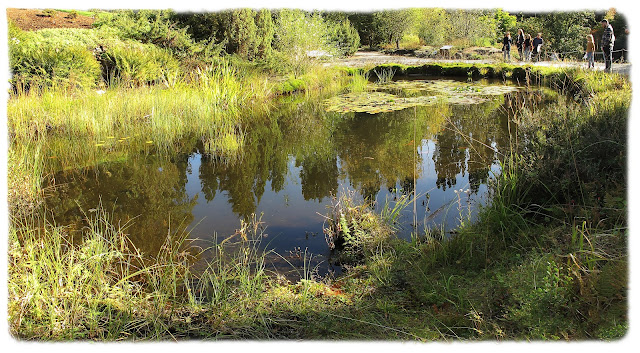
53	130
546	260
103	288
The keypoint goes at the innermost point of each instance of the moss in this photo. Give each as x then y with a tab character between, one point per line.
291	85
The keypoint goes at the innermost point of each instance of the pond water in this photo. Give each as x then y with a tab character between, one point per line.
295	160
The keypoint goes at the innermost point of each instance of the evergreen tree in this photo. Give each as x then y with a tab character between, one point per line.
243	33
264	31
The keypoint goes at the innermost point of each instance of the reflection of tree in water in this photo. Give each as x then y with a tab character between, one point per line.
147	193
297	129
464	146
244	178
381	149
319	177
530	99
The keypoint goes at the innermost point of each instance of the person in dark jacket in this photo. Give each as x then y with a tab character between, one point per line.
526	47
537	46
520	43
607	44
506	46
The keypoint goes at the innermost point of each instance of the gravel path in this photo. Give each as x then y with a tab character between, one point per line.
360	59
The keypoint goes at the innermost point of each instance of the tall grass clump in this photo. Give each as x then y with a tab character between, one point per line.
354	229
100	287
135	64
59	290
25	172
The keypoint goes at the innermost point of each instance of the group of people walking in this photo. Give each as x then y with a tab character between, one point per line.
528	47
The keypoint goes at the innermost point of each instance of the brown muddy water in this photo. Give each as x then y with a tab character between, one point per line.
297	159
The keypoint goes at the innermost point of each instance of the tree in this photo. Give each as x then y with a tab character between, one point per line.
242	33
296	34
565	32
473	27
432	26
344	37
363	23
391	25
505	23
531	25
264	32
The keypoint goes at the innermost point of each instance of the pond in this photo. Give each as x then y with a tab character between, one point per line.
442	140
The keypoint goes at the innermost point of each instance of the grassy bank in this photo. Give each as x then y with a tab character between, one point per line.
546	260
55	129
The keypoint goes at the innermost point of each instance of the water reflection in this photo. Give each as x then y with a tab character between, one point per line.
293	162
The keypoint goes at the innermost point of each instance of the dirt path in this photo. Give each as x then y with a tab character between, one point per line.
361	59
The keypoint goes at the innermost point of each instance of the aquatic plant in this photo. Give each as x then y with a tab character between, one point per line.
442	91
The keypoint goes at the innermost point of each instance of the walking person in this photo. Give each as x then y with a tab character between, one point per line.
506	46
537	46
520	43
591	48
527	46
607	44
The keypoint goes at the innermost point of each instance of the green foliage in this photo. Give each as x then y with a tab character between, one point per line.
363	23
565	32
472	27
432	27
242	34
73	14
290	85
265	31
541	291
344	37
296	34
134	64
505	23
391	25
150	27
50	58
354	229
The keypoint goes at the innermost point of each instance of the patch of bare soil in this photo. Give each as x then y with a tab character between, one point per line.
34	19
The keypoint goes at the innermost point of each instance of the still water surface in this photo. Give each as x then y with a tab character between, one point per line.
293	163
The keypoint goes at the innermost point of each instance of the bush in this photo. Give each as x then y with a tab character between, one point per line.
52	57
134	64
291	85
297	33
48	12
151	27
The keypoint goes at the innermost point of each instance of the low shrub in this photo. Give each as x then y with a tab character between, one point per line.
134	64
48	58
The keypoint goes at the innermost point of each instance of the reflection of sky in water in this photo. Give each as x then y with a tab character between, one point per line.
287	173
293	222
